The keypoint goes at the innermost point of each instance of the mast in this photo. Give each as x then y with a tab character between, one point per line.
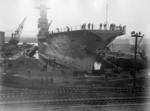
106	12
106	15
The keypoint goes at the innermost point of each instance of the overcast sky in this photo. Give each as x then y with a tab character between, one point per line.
135	14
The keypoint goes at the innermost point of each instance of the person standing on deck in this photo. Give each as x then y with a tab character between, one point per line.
101	26
92	26
105	26
120	27
110	27
89	26
67	29
114	27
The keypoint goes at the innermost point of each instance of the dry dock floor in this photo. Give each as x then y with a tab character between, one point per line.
19	74
29	69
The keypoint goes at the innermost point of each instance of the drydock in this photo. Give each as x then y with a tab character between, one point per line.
50	83
46	89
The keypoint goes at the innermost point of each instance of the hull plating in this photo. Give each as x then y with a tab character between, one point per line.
77	49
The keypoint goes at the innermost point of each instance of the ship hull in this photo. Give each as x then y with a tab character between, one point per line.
77	49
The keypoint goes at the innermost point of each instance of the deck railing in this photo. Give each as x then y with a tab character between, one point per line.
89	27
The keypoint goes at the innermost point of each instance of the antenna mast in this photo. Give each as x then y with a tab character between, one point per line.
106	14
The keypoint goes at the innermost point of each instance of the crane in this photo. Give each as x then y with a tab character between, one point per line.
15	37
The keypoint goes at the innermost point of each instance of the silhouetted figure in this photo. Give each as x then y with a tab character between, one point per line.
106	76
120	27
92	26
101	26
89	26
123	27
67	29
105	26
111	26
83	27
114	26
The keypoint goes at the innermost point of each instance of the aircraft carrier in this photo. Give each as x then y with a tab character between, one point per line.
77	48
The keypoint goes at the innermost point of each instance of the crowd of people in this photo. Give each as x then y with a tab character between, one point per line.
47	81
103	27
90	26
